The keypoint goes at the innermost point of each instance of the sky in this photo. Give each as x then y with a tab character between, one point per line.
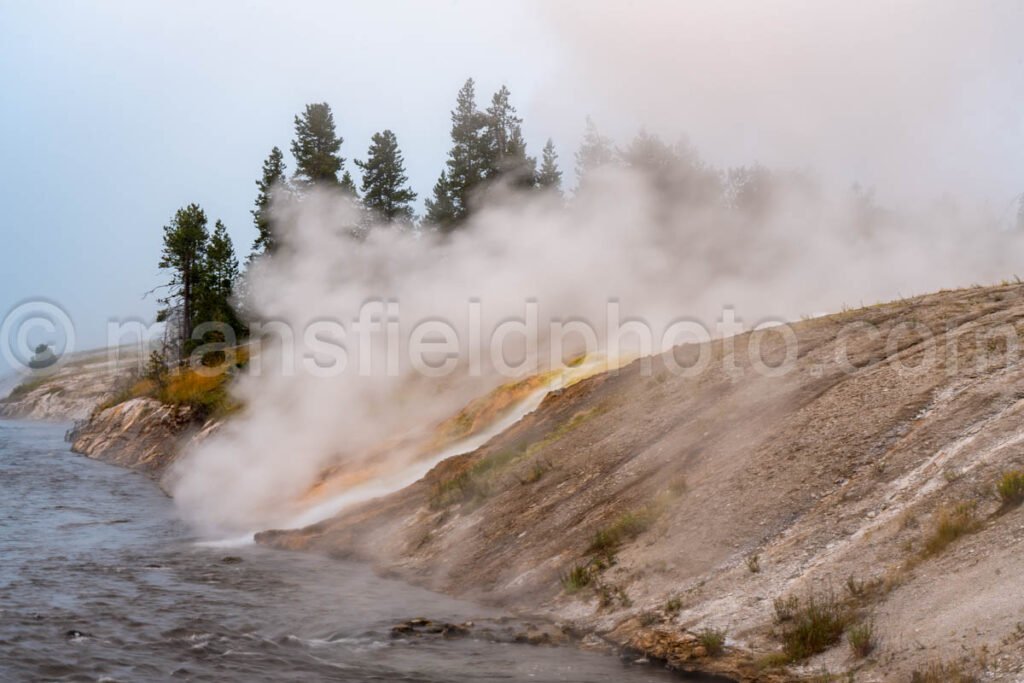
117	113
114	114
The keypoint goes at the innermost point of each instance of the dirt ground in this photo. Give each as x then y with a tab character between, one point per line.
646	506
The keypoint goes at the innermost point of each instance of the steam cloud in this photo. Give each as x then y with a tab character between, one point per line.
667	244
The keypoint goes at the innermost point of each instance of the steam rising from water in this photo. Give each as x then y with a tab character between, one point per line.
663	249
622	239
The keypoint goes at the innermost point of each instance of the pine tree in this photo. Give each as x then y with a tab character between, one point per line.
504	144
650	154
220	273
184	252
273	181
385	185
595	151
549	177
348	184
441	211
316	146
467	163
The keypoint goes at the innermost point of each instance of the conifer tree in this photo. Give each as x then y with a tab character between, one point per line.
650	154
220	274
272	181
184	252
549	177
504	144
348	184
466	166
385	185
441	211
315	147
595	151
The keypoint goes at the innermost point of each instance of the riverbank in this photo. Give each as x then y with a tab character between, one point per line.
70	391
710	521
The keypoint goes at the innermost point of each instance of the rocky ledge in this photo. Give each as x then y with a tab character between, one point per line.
141	434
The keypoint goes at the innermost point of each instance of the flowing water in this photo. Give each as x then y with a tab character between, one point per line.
99	581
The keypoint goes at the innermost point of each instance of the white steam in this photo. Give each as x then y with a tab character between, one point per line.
621	239
886	95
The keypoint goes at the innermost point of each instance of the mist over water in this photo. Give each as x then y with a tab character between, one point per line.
101	582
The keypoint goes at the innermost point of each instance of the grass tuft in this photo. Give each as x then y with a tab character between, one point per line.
624	528
649	618
952	524
785	608
577	578
713	640
942	672
1011	488
816	625
673	606
861	638
856	588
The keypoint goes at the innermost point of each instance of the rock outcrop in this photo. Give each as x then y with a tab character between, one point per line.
140	434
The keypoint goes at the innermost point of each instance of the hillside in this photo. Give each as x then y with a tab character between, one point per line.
72	391
792	512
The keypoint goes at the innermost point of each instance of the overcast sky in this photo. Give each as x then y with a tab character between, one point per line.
114	114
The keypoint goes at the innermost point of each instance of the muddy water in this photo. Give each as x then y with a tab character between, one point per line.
99	581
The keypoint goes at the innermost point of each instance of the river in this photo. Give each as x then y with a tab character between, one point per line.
100	582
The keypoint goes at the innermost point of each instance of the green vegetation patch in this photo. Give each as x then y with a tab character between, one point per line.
814	625
577	578
1011	488
624	528
861	638
481	480
713	641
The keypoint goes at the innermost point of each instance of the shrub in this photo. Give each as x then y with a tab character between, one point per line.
577	578
816	625
862	639
713	640
203	389
1011	488
952	523
673	605
856	589
604	542
649	618
754	564
785	608
625	527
